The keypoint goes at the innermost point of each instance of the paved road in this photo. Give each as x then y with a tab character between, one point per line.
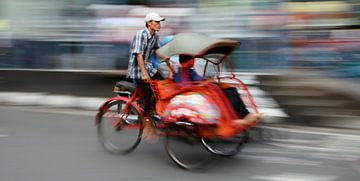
46	144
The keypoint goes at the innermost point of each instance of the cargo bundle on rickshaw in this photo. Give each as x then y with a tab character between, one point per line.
201	102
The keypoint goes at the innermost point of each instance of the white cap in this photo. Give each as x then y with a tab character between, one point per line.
153	17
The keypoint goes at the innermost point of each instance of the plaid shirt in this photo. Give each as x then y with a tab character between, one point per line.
145	45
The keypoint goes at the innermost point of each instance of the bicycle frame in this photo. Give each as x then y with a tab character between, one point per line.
129	101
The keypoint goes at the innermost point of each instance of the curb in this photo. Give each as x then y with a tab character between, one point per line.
48	100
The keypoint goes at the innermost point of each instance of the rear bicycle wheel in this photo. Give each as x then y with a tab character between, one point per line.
185	149
226	147
119	132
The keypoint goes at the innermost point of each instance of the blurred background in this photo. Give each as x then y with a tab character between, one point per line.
304	53
95	34
59	60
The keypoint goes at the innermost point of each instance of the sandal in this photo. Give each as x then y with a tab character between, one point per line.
149	131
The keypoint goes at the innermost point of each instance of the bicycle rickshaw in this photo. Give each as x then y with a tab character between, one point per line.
120	118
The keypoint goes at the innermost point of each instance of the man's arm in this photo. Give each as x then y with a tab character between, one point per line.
144	74
167	60
138	48
161	57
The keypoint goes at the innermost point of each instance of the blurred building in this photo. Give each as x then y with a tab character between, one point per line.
95	34
75	34
325	35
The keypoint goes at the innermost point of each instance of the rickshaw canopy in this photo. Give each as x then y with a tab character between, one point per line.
197	45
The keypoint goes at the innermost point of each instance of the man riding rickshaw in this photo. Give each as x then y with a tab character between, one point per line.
188	107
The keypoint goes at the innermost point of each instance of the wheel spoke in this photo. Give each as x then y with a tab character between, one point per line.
185	149
113	118
128	128
225	147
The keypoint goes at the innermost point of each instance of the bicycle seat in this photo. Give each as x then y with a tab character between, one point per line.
124	86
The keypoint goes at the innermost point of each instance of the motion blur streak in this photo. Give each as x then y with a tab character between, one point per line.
300	57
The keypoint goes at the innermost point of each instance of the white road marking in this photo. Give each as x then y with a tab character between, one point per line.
44	99
292	130
299	141
68	112
54	111
260	150
276	112
283	160
310	148
295	177
3	135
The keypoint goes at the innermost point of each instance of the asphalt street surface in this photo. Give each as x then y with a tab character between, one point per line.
39	144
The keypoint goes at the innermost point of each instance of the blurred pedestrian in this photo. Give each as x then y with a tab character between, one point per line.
141	69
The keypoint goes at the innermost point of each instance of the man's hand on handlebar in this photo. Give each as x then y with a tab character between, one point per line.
145	77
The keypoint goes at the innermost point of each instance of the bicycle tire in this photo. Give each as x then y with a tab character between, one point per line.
193	156
120	141
226	147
